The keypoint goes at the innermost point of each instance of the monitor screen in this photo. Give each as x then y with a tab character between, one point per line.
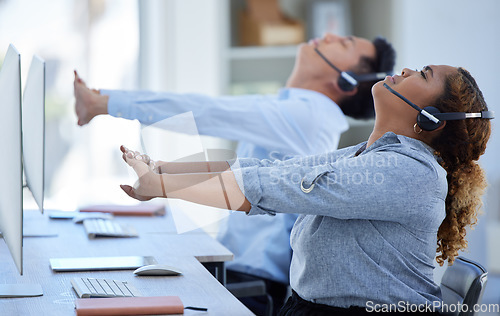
11	184
33	120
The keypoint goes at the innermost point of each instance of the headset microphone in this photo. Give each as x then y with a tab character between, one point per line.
348	80
430	118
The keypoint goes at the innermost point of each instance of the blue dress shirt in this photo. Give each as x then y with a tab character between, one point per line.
294	122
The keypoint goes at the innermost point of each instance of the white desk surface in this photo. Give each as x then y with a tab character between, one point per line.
196	286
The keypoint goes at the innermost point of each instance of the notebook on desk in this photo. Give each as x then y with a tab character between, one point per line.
145	209
149	305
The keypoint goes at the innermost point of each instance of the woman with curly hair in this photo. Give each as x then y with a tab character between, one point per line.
370	214
460	146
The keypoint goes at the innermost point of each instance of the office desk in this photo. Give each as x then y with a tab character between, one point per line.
196	286
157	231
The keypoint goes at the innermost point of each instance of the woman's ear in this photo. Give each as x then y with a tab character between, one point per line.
428	136
440	127
435	132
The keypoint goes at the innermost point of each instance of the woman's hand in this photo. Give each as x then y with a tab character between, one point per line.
149	185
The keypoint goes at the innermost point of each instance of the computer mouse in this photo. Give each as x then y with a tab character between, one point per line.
157	269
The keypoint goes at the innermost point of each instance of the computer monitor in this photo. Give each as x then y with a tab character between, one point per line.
33	127
11	186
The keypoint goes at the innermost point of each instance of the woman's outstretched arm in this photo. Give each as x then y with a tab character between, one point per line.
179	167
216	189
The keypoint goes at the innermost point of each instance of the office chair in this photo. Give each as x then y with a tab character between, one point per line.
463	283
250	288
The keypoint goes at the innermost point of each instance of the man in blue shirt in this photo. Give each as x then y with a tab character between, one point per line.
305	118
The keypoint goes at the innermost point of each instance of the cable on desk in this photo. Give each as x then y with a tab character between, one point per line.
201	309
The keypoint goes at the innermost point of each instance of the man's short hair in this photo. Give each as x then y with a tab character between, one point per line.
360	105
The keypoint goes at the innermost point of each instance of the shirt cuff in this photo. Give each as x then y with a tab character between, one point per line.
249	183
239	163
118	104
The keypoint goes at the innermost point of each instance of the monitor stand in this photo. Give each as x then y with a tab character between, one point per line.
20	290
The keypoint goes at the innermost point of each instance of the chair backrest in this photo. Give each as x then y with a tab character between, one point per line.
463	283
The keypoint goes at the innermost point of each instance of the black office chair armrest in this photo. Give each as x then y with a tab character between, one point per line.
247	289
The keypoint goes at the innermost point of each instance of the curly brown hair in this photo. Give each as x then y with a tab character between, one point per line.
459	146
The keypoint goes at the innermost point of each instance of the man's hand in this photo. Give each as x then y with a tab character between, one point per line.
88	102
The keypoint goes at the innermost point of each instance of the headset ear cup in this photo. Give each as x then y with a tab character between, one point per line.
345	85
425	123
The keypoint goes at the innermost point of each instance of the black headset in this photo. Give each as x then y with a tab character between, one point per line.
430	118
348	80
